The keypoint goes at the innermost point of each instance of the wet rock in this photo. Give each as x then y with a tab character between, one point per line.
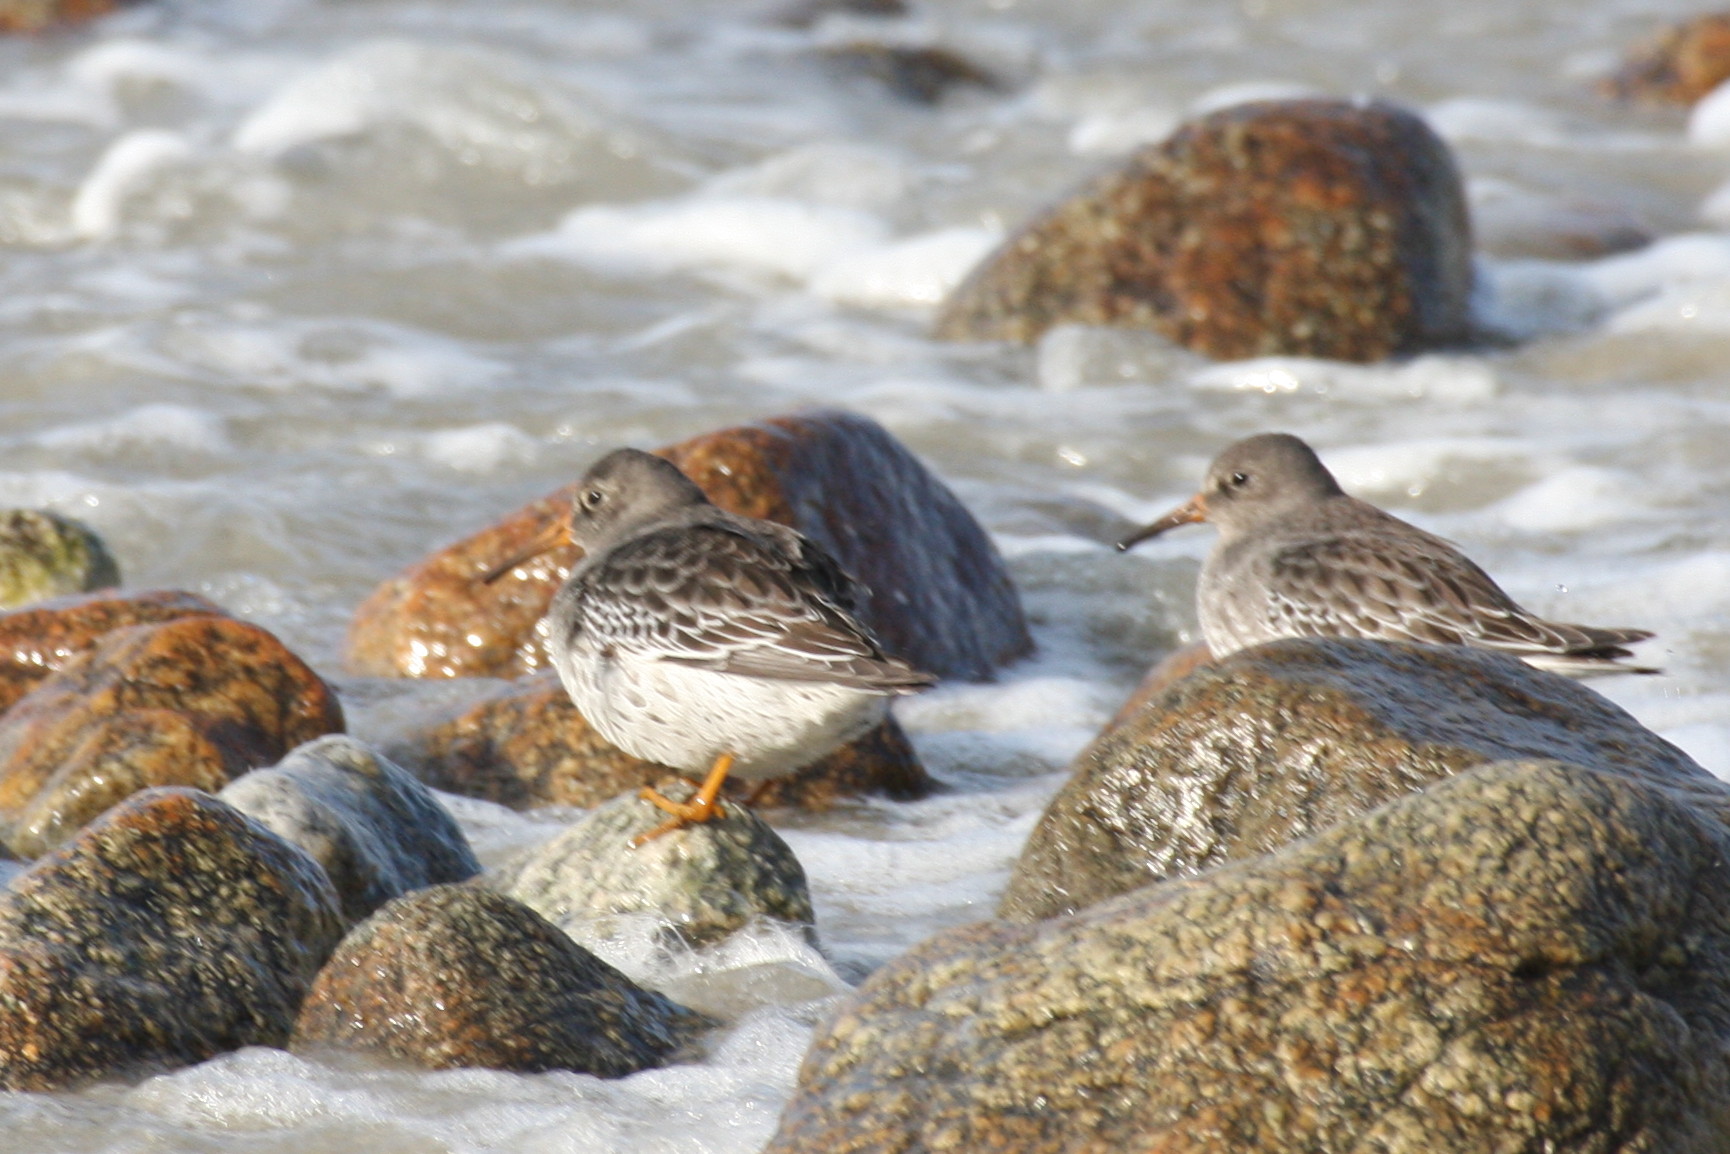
703	881
1278	742
529	746
1529	956
1300	227
38	15
172	929
43	554
939	593
1166	673
195	701
920	75
805	13
457	976
377	831
1678	66
37	640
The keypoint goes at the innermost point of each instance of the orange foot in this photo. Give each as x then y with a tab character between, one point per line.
700	808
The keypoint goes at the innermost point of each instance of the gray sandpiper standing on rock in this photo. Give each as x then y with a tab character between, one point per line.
1297	557
707	641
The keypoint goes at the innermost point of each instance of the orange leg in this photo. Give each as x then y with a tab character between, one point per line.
700	808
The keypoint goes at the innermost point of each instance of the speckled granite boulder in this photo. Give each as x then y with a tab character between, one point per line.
195	701
1302	227
1678	66
529	746
172	929
377	831
458	976
939	593
703	881
1526	957
1277	742
43	554
1164	674
39	639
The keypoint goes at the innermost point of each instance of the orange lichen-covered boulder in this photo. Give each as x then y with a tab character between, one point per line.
38	639
1300	227
939	594
1679	65
195	701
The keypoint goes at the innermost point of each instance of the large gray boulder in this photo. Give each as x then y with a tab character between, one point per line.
1278	742
1527	957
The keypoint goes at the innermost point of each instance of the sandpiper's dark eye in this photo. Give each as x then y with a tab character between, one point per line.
593	498
1239	480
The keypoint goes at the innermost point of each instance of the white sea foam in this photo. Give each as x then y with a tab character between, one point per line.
1448	379
1573	499
917	270
766	235
482	448
128	164
148	426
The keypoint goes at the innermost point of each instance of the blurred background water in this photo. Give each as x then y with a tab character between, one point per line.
292	293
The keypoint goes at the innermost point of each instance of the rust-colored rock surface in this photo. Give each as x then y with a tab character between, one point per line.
529	746
456	976
939	593
38	639
1678	66
1531	956
170	930
1302	227
194	701
1278	742
39	15
1166	673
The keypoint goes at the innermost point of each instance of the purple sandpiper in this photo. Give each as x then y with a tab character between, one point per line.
707	641
1298	557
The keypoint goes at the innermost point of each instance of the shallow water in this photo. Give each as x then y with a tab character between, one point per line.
295	293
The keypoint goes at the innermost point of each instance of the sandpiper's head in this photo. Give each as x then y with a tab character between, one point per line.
625	490
1257	481
621	492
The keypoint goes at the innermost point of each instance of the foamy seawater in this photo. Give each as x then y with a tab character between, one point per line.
296	292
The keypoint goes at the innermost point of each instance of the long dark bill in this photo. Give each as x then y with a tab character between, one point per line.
556	534
1189	513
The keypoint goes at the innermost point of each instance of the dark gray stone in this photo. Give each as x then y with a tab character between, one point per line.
377	831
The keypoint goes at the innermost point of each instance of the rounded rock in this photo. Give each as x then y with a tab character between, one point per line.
1280	741
192	701
43	554
456	976
171	930
1679	65
377	831
939	596
1297	228
1527	956
39	639
702	881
